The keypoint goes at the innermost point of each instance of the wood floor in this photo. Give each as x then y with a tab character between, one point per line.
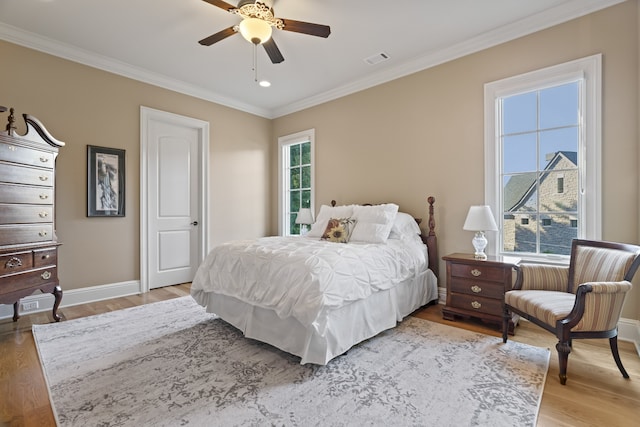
595	394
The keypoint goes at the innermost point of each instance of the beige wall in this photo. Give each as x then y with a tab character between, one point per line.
402	141
423	134
84	106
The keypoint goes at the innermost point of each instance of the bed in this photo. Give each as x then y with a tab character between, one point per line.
360	270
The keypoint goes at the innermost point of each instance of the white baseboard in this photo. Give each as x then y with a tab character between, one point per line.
74	297
628	329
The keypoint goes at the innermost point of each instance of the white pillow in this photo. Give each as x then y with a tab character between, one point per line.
373	223
404	226
325	214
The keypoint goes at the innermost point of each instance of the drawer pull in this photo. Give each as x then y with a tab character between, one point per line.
44	159
13	263
46	275
477	289
43	214
44	197
45	256
43	178
12	148
476	305
42	233
475	272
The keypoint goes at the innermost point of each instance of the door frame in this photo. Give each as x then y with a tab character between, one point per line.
146	116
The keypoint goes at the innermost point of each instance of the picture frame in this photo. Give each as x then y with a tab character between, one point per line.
105	181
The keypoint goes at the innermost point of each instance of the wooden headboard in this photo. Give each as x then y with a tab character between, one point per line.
429	239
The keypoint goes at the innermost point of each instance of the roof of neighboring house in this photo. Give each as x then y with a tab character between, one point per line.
520	187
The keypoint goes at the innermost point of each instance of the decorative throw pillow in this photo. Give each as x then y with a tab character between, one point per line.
326	213
338	230
373	222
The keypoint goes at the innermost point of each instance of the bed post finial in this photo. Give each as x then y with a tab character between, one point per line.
432	222
333	203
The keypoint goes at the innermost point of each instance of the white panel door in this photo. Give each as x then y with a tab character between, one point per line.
173	199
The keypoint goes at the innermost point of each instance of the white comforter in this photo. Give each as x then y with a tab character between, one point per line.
300	276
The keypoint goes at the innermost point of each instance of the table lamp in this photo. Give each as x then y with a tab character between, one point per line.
304	218
480	219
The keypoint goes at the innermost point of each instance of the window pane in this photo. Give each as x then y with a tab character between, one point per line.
519	193
556	237
520	233
294	155
519	153
294	179
556	141
294	202
559	106
305	201
520	113
552	200
293	227
306	177
306	153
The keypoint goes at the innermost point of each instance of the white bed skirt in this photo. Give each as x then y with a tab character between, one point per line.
345	326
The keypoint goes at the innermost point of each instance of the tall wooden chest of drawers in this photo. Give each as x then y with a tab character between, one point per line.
28	242
476	288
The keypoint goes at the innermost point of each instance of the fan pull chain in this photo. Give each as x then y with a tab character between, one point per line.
255	62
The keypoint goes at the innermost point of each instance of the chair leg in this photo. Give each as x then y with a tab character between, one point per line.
564	349
613	343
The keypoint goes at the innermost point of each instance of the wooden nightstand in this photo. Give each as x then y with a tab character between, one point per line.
475	288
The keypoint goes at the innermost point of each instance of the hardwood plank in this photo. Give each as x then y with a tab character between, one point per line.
595	394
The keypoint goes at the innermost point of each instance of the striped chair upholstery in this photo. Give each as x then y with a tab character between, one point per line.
583	300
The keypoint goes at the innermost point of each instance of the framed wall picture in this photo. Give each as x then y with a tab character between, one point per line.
105	181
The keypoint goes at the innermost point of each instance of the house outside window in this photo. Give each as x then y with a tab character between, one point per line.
542	157
295	179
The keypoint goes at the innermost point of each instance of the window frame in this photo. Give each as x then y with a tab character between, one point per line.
589	71
284	142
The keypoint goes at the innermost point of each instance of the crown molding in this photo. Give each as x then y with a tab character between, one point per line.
554	16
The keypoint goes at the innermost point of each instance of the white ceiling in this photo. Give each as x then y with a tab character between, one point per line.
156	41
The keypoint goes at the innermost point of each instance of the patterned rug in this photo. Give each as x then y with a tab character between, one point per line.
172	364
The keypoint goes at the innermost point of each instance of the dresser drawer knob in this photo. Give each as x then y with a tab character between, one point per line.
42	233
43	214
44	196
13	263
477	289
46	275
12	148
475	272
476	305
44	159
43	178
45	256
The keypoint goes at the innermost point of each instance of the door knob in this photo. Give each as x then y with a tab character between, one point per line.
194	223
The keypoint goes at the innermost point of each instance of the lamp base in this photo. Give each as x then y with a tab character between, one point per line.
479	243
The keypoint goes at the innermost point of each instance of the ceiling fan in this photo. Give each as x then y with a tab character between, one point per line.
257	23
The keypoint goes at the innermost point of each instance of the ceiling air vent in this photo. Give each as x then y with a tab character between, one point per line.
377	58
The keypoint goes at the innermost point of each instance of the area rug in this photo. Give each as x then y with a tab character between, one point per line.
171	364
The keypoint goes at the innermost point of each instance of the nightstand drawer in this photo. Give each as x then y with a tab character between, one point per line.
484	272
476	304
477	287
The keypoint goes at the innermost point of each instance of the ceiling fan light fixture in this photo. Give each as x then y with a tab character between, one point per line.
255	30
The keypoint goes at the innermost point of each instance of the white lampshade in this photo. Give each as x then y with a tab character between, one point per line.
480	218
304	216
255	30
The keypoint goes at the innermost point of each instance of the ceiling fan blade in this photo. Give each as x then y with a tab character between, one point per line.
221	4
220	35
273	51
306	28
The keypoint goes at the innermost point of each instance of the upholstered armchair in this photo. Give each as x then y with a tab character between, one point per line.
583	300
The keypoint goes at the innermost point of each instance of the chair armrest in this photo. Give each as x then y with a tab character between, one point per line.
598	306
542	277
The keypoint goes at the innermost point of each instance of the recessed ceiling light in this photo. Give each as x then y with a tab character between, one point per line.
264	83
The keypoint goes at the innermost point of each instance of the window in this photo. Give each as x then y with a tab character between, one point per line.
296	179
542	157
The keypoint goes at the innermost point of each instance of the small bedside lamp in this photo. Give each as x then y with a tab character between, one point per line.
304	218
480	219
